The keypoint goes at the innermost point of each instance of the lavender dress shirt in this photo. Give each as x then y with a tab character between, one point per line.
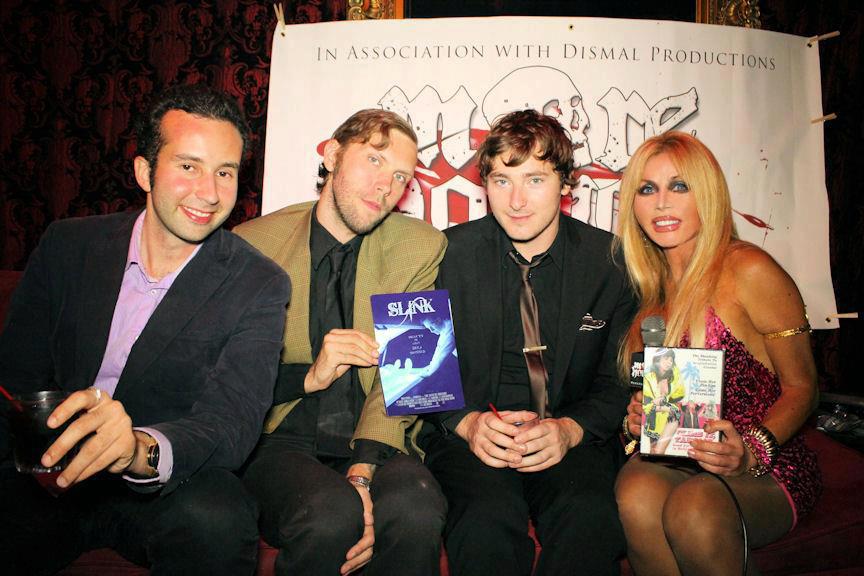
139	296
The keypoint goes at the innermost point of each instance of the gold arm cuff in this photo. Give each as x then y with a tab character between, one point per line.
786	333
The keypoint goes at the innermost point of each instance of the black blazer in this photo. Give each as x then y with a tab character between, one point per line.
586	385
203	369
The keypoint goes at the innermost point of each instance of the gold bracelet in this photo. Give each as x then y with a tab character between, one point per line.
786	333
625	429
632	441
764	446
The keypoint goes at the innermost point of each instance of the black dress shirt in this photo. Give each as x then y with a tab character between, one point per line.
303	424
514	390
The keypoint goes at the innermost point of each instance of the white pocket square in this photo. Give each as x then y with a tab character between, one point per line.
589	323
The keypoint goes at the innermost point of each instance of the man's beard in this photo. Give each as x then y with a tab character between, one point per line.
348	214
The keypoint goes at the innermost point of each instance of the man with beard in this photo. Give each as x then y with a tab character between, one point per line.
329	451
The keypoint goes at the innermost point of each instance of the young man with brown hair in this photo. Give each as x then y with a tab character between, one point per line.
539	308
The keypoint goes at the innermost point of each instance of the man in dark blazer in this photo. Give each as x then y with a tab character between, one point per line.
165	330
500	469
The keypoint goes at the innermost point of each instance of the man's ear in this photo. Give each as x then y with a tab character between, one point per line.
142	172
566	189
331	152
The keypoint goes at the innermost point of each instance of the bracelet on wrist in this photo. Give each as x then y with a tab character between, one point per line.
764	446
625	429
360	481
632	441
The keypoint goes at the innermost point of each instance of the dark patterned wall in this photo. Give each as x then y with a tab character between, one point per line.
73	74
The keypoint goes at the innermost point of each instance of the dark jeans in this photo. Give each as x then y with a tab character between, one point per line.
572	505
206	526
314	516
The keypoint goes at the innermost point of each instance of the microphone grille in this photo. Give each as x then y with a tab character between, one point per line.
654	324
653	331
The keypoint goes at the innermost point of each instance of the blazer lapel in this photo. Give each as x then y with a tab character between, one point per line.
487	287
368	281
295	259
102	274
572	288
191	291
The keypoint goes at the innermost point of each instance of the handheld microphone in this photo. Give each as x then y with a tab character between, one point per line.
653	334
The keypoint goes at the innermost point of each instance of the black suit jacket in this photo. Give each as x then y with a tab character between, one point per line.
203	369
586	384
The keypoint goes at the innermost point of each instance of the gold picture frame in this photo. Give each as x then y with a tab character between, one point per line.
375	9
743	13
726	12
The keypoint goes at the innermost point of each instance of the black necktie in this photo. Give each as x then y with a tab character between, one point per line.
335	404
334	315
533	350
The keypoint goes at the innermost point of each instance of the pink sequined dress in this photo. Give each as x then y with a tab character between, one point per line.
750	389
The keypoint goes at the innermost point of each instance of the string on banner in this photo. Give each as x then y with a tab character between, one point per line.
280	16
825	118
821	37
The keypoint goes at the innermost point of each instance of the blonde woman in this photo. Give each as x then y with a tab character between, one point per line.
683	256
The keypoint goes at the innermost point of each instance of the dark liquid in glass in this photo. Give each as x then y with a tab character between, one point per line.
30	433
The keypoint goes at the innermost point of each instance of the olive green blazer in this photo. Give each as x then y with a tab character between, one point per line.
400	255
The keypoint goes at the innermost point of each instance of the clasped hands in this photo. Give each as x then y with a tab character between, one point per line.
518	439
729	457
105	435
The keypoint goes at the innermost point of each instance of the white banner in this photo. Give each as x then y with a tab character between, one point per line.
749	95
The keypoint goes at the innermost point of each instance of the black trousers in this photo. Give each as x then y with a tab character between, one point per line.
208	525
314	516
571	504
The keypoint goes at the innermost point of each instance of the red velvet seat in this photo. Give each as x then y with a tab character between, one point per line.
831	539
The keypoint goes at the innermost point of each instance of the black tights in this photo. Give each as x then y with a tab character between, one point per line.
679	519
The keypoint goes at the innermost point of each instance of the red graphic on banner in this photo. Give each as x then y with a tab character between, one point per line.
755	220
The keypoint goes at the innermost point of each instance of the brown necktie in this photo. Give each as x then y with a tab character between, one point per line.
533	350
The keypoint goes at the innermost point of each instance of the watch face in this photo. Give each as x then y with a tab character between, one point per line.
153	456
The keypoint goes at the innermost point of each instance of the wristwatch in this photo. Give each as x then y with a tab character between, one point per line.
153	455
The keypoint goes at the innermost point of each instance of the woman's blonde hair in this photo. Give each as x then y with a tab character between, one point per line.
684	303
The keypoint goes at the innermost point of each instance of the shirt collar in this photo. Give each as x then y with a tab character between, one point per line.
133	256
555	252
321	242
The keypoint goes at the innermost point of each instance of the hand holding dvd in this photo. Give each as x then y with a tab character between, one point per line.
727	457
682	389
340	349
